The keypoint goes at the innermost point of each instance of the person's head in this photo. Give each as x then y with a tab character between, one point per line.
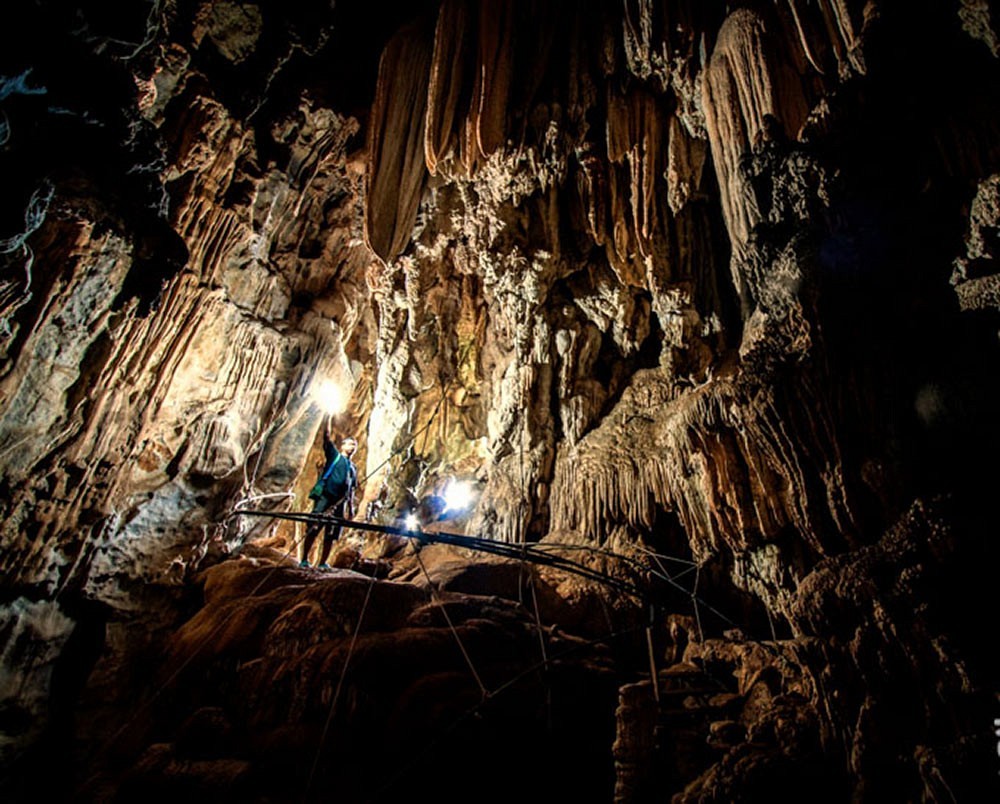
348	446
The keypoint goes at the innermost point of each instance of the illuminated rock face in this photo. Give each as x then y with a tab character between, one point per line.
654	276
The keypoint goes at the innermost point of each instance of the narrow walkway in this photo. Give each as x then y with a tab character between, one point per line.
524	552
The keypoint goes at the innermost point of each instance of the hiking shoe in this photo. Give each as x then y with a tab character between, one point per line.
305	564
324	566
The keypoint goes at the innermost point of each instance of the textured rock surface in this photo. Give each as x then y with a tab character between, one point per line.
705	279
288	683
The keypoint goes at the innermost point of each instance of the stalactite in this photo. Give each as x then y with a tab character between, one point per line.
448	94
538	26
657	35
496	53
397	170
622	125
468	151
638	37
637	132
469	98
735	471
824	37
686	157
647	171
747	80
846	18
621	248
593	189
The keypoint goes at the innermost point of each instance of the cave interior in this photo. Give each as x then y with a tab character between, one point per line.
665	330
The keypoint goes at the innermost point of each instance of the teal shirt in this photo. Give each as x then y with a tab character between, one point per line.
341	476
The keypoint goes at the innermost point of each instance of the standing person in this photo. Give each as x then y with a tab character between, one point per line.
333	494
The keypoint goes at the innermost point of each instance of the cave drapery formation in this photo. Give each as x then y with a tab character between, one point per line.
712	280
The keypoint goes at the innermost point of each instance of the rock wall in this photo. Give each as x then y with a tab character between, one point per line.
153	380
707	279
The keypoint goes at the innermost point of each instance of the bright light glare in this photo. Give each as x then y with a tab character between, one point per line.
457	495
331	396
411	521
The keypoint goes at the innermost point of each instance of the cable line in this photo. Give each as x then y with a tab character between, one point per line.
336	694
532	553
451	625
513	551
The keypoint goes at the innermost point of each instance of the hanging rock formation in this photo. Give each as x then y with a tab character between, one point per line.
701	294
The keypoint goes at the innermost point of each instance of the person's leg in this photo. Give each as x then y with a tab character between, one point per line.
324	554
307	544
319	506
332	532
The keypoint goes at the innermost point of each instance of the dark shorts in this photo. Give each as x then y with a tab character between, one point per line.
328	502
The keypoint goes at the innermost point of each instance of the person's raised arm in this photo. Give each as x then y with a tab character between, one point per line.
329	448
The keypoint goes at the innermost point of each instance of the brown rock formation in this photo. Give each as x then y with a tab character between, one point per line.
701	294
356	685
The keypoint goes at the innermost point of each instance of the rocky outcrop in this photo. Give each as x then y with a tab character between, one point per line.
739	715
291	682
974	276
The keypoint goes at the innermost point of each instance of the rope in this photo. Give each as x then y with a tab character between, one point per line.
686	561
538	618
767	609
541	644
538	556
522	503
694	601
664	574
336	694
653	674
473	711
444	611
530	553
523	518
470	542
162	687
